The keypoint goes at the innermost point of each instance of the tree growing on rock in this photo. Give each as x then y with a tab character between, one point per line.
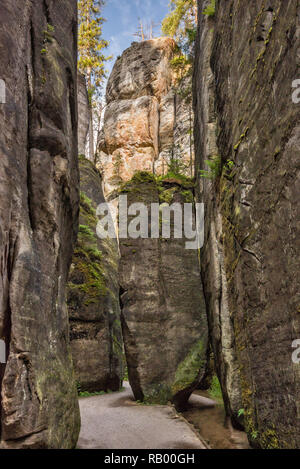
181	24
92	58
181	19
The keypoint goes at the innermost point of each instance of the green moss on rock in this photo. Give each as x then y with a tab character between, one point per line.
188	370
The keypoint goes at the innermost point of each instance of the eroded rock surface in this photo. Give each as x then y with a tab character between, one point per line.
38	221
148	120
250	261
83	114
93	296
162	304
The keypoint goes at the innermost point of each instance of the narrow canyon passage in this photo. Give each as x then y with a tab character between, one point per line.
149	225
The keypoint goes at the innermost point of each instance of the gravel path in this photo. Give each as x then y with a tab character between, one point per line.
115	421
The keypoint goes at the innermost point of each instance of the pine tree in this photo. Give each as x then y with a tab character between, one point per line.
181	19
91	47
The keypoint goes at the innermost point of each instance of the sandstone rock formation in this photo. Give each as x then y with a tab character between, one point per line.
83	114
246	61
147	125
162	304
93	296
147	120
38	215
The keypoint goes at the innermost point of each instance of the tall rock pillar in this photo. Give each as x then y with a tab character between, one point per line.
38	221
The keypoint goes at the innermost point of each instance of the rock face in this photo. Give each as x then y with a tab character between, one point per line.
83	114
246	61
162	304
147	121
38	215
93	296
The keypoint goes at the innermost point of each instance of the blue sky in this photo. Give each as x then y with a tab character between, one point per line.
122	22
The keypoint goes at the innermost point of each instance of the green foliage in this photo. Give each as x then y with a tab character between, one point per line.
188	370
143	176
98	393
180	178
85	230
215	391
241	412
50	28
87	259
230	164
91	45
177	167
214	165
188	196
86	204
182	65
210	10
181	18
180	24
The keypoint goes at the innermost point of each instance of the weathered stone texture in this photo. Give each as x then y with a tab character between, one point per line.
38	215
162	305
250	261
93	296
147	122
83	114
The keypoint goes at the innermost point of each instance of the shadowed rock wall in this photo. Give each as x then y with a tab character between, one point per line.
38	221
93	295
246	60
83	113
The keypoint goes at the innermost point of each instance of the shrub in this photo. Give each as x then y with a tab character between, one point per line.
210	10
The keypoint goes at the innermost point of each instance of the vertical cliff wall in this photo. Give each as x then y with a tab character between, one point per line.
83	113
147	120
38	215
247	57
93	295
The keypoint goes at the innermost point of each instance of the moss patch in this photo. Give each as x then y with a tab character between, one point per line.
87	277
188	370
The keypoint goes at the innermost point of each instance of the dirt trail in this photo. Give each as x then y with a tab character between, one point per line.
209	419
115	421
